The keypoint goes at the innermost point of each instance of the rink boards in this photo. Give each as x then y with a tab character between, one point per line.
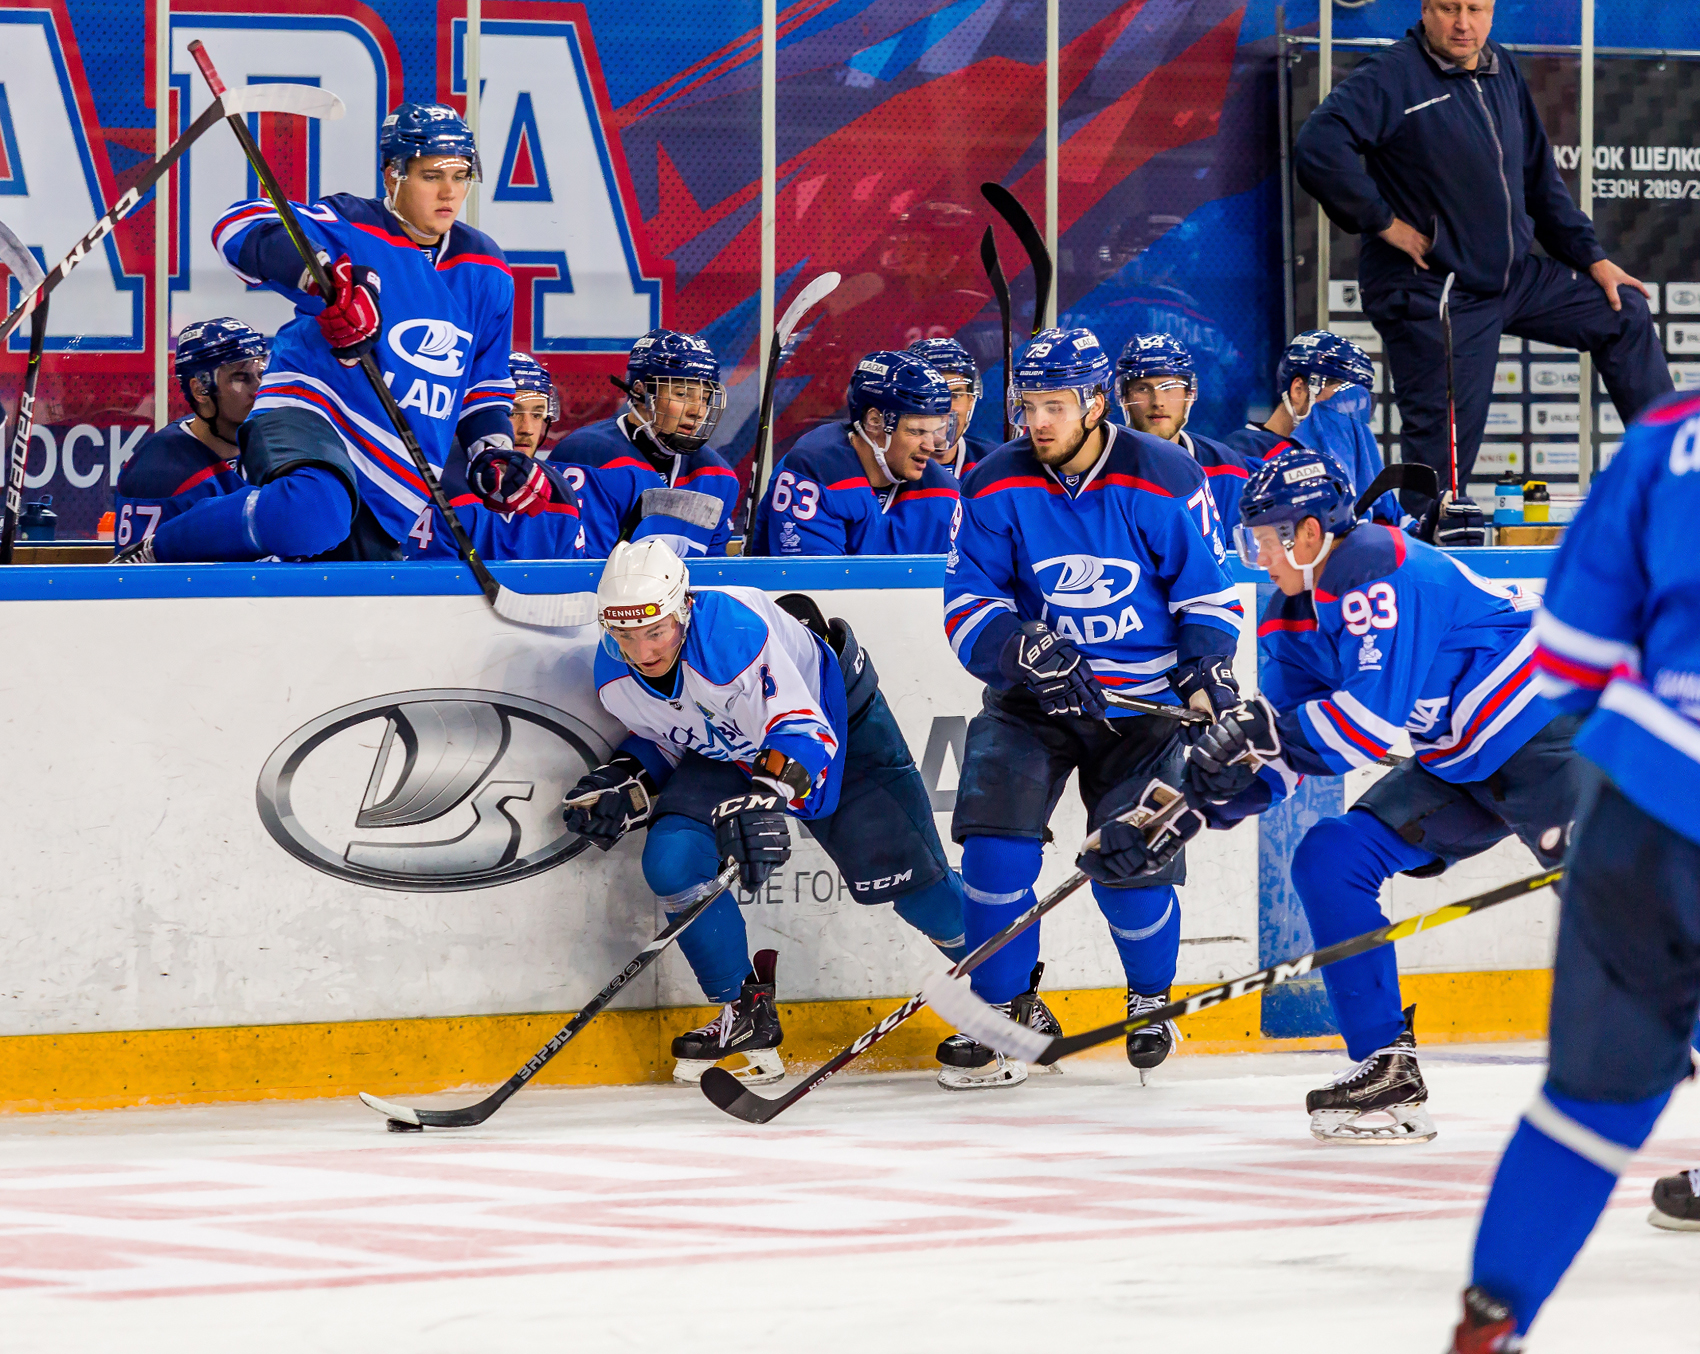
290	831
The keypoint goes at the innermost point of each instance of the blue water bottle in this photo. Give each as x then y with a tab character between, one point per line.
38	521
1508	501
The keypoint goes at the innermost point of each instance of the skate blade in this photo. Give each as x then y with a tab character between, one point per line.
1393	1126
762	1067
1671	1224
996	1076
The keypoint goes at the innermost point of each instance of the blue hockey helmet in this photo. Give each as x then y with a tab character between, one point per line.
949	358
682	397
1060	359
1319	356
894	385
413	129
206	345
532	378
1288	488
1155	355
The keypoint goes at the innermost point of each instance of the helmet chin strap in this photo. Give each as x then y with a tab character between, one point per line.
395	211
878	451
1309	570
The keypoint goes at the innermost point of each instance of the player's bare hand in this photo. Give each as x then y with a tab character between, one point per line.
1611	277
1402	235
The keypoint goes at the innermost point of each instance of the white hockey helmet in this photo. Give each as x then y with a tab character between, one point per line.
643	582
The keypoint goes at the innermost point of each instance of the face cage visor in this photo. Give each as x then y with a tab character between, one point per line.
1083	396
611	645
689	404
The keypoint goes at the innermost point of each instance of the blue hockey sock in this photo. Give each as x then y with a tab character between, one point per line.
936	912
997	887
1551	1186
678	857
1338	872
1146	926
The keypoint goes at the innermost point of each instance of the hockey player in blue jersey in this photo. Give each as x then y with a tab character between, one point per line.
873	485
429	297
1324	383
648	472
219	364
742	712
1156	386
537	406
1086	557
962	374
1619	643
1371	633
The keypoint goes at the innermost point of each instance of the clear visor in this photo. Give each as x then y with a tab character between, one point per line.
538	402
683	411
1258	544
1142	392
934	434
1068	405
646	641
435	167
243	376
962	384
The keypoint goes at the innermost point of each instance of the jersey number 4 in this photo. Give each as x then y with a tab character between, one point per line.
1375	608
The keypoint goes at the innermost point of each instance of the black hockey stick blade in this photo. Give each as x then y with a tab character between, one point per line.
806	300
1412	475
405	1118
730	1094
1181	714
973	1017
1008	206
19	457
1000	289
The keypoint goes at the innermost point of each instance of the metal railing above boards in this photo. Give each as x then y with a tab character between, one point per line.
1546	413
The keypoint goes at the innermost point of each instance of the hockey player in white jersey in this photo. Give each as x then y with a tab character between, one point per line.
741	711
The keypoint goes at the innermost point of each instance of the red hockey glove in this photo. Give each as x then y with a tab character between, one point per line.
351	319
506	480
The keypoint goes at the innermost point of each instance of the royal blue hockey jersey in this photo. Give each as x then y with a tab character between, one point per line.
1346	438
447	332
1126	562
1225	471
554	533
169	473
968	453
819	501
750	677
689	505
1619	629
1400	636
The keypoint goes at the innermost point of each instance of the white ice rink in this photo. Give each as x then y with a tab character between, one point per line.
880	1214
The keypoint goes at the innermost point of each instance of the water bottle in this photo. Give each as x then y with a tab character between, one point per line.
1508	501
38	521
1536	501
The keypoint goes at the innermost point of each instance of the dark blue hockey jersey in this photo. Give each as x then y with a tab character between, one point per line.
819	501
1127	563
170	472
554	533
1343	436
1226	472
969	452
447	332
1400	636
1619	629
690	505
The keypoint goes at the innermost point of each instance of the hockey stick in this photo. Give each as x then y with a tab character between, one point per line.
811	296
540	609
1000	289
1182	714
973	1017
1413	475
1451	406
305	100
1015	216
731	1095
405	1119
21	264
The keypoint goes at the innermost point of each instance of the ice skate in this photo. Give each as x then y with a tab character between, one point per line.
1487	1327
971	1066
1379	1101
1676	1202
1147	1048
749	1025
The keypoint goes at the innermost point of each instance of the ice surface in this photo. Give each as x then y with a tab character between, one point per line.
880	1214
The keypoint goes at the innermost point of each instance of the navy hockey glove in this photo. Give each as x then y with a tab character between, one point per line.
624	797
351	319
1053	670
750	829
1223	763
1206	684
1140	841
506	480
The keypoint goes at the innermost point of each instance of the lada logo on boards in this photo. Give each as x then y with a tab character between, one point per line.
428	791
1085	582
435	346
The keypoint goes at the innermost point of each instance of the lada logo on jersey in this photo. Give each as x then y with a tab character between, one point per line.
1085	582
428	791
435	346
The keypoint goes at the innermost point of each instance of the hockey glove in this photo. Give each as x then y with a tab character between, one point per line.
351	319
1223	762
1206	684
1053	670
750	829
506	480
1453	522
624	799
1140	841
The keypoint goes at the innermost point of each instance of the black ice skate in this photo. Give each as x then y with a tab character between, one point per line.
1148	1047
749	1025
971	1066
1676	1202
1379	1101
1487	1328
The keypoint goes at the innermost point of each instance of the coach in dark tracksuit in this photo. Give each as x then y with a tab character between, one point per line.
1457	176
